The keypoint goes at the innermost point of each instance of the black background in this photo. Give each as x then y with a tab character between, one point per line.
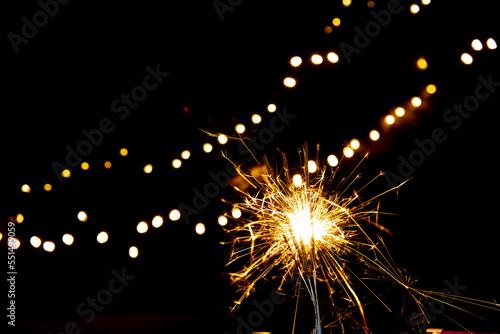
64	80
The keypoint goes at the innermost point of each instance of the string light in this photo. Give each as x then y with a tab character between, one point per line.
47	187
102	237
416	101
222	139
256	119
148	168
49	246
399	111
477	45
68	239
311	166
82	216
35	241
25	188
123	152
66	173
176	163
200	228
348	152
389	119
240	128
296	61
185	154
174	215
466	58
289	82
332	57
336	22
222	220
107	164
271	107
414	9
157	221
207	148
142	227
374	135
491	44
332	160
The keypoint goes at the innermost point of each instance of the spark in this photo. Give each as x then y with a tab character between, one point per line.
324	235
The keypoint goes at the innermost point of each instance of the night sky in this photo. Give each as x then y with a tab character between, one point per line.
200	68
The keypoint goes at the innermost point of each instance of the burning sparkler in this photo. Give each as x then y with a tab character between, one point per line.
296	225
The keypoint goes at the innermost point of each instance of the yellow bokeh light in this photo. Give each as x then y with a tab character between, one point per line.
491	44
85	166
236	213
49	246
316	59
311	166
466	58
82	216
14	243
346	3
174	215
207	148
431	89
374	135
176	163
200	228
142	227
422	63
297	180
426	2
102	237
107	164
240	128
185	154
35	241
1	236
123	152
399	111
157	221
295	61
414	9
25	188
416	101
133	252
271	107
389	119
222	220
348	152
332	160
256	119
66	173
289	82
47	187
477	45
222	139
19	218
354	144
68	239
332	57
336	22
148	168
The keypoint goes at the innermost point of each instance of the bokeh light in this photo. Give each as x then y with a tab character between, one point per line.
348	152
477	45
414	9
200	228
102	237
207	148
332	160
289	82
240	128
35	241
416	101
332	57
148	168
422	63
271	107
174	215
123	152
222	139
296	61
316	59
222	220
311	166
25	188
82	216
185	154
374	135
491	44
236	213
389	119
466	58
431	89
68	239
66	173
85	165
157	221
256	119
176	163
142	227
399	111
297	180
354	144
49	246
47	187
336	22
19	218
133	252
107	164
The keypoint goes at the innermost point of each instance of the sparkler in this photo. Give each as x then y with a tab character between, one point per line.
298	225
